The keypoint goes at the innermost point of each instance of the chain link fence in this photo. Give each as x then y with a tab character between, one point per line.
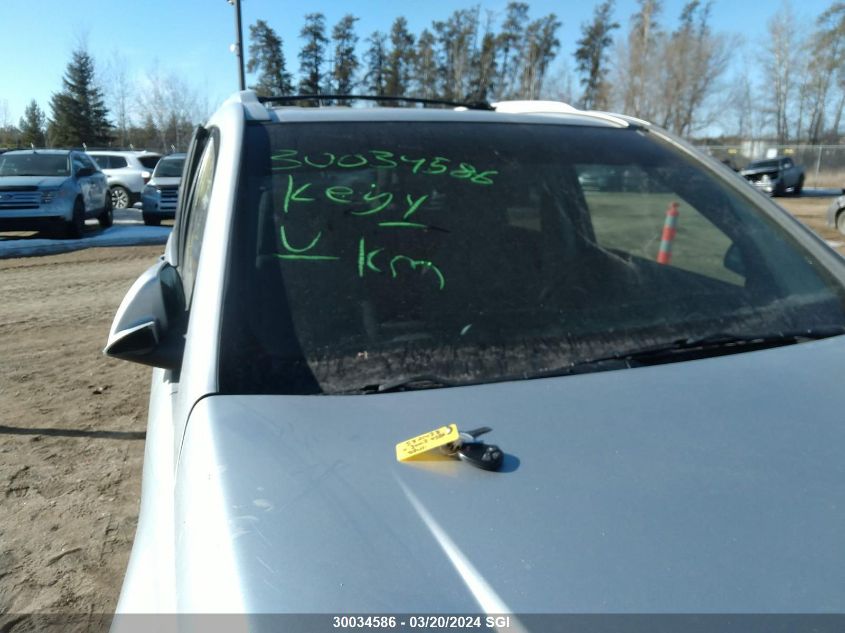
824	165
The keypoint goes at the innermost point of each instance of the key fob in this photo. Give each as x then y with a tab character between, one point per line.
486	456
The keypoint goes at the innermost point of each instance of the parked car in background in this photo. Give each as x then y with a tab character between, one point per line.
775	176
836	213
127	171
660	366
52	188
159	196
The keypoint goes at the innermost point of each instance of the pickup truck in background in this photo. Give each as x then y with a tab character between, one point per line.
775	176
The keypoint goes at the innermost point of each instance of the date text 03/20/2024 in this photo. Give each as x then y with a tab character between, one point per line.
489	622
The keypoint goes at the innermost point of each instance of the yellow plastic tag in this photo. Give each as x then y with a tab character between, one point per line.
427	441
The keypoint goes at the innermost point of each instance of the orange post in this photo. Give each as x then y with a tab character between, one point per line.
670	228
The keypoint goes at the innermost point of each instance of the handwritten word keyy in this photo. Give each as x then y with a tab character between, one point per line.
361	202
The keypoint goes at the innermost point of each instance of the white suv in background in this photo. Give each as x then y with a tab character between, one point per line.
127	171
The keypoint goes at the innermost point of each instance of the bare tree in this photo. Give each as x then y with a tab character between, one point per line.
4	112
119	92
560	85
695	60
827	59
9	134
637	60
778	60
803	90
837	117
742	116
170	105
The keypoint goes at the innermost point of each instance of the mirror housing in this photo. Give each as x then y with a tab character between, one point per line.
84	172
149	327
734	261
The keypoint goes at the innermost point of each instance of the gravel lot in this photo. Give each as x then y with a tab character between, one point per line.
72	426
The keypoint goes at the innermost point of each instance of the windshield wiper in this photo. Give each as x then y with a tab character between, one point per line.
716	344
726	341
413	383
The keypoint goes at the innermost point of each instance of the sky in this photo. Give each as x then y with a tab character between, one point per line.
191	38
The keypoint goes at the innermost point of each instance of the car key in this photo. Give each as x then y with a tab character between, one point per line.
486	456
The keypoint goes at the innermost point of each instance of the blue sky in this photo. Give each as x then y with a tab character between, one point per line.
192	37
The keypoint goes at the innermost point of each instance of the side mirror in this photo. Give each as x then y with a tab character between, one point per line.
149	326
84	172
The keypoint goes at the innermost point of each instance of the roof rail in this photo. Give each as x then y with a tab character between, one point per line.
525	106
478	105
106	148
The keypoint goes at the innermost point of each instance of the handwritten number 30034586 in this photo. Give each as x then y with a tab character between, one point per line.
289	159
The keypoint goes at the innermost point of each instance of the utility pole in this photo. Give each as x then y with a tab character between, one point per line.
237	47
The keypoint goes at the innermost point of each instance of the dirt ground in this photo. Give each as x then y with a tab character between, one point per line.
813	213
72	427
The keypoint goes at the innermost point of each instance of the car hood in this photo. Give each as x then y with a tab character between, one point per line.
759	170
32	181
708	486
167	180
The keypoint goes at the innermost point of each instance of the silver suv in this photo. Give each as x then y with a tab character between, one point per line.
58	188
159	197
127	171
347	287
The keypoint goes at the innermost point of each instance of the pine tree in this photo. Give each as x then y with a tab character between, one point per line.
266	56
376	58
591	56
401	59
425	67
509	44
32	125
312	55
484	65
345	61
456	37
539	50
79	113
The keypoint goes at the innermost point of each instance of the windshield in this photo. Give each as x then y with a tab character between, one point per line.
764	164
169	168
368	253
149	161
34	165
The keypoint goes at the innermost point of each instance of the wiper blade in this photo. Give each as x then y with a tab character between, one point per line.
406	384
711	344
728	340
